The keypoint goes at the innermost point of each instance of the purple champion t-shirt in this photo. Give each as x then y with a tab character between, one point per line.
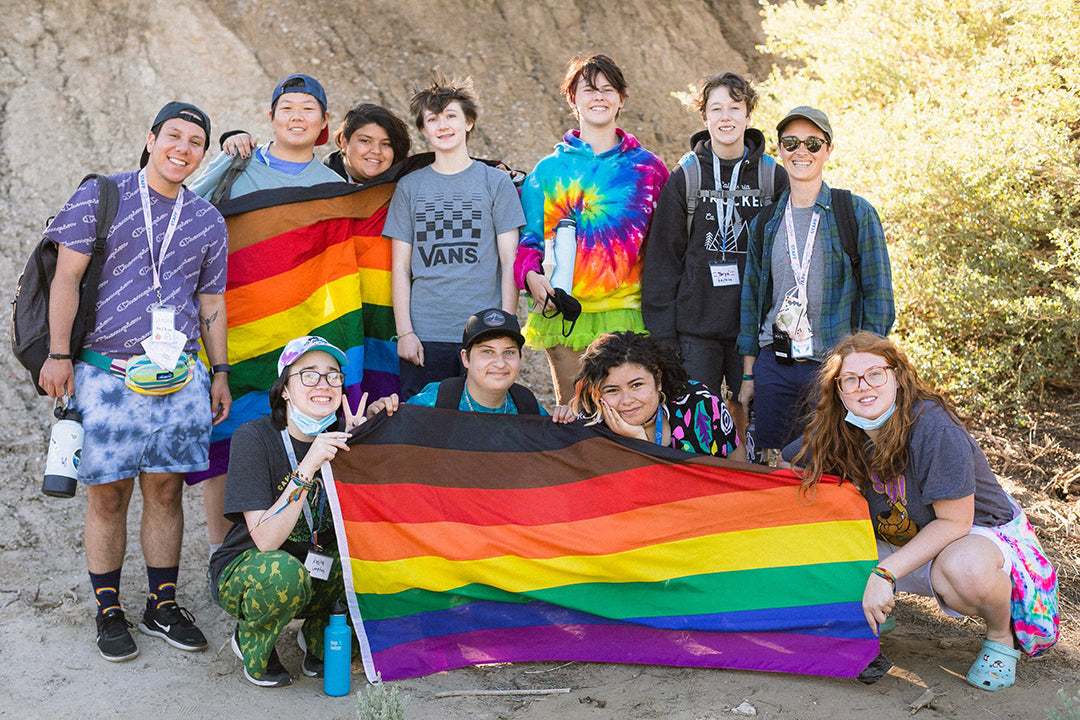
194	263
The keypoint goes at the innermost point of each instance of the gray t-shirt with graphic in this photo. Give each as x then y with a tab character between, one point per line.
784	277
452	222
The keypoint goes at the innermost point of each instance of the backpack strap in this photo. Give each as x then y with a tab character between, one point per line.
451	389
762	219
524	400
108	203
691	166
236	168
766	174
848	225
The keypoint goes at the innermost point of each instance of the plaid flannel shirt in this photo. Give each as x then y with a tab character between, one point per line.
841	292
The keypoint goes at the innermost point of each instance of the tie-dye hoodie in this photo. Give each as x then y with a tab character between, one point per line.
611	197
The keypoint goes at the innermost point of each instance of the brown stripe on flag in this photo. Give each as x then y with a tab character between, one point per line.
258	225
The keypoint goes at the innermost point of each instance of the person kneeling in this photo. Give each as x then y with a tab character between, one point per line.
279	560
491	356
945	528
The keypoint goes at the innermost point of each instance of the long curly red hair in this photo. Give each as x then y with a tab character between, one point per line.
835	447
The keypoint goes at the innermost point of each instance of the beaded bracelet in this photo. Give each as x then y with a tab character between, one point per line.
883	573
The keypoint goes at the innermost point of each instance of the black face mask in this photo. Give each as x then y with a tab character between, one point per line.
565	305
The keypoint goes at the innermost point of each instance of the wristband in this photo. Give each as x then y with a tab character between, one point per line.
59	356
223	367
748	376
398	337
885	574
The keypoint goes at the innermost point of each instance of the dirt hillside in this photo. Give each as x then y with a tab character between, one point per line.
80	81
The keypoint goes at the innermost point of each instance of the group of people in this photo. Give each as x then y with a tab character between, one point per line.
735	293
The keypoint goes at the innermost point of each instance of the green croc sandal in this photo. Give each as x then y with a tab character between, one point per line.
994	668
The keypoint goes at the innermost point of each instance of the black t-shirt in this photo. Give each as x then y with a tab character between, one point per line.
258	473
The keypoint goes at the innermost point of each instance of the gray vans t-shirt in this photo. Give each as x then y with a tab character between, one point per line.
451	221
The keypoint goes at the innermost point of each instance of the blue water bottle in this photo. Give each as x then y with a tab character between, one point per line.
337	653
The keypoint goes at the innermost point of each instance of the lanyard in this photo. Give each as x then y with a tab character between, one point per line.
658	431
800	269
174	220
286	440
727	229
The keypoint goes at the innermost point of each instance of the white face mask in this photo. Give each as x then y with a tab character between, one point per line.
308	425
865	424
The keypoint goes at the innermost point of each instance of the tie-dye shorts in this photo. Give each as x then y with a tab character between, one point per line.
126	433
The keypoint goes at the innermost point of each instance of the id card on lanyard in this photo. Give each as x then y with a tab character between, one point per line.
317	563
723	272
165	344
802	339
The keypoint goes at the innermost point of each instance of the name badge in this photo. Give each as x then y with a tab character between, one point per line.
163	324
318	565
724	274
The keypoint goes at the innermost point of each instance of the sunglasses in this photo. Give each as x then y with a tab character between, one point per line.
792	143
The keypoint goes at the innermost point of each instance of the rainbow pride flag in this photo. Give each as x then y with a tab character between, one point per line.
474	538
305	261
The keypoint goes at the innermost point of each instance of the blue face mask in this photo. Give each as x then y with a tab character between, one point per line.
864	424
308	425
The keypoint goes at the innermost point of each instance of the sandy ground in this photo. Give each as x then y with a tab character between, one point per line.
51	668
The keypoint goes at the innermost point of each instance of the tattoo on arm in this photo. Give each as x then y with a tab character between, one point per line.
208	320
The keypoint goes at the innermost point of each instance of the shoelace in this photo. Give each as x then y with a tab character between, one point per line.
174	614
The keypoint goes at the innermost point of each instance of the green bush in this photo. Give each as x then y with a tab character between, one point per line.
1068	708
381	702
960	121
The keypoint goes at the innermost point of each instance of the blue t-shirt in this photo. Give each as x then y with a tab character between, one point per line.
427	397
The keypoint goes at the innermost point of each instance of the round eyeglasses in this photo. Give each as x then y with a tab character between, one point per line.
874	377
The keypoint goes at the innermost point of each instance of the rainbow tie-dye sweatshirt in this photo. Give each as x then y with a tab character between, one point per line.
611	197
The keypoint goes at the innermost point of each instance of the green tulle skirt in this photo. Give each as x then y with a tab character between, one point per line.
541	332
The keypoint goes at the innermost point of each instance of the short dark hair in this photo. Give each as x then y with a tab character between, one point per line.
614	349
589	66
738	87
367	113
441	92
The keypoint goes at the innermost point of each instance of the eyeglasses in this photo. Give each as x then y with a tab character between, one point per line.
874	377
311	378
792	143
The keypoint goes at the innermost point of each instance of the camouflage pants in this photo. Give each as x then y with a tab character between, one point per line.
266	590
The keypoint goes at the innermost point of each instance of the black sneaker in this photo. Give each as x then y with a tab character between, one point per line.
275	676
113	639
173	624
312	666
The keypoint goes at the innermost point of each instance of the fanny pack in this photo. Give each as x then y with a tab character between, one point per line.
144	376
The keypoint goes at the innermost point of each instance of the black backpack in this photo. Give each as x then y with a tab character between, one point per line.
450	390
848	226
30	306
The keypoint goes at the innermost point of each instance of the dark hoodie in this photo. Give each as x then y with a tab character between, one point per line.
677	294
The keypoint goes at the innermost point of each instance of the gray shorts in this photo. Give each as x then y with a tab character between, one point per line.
126	433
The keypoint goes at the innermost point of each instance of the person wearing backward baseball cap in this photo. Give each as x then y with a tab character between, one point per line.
817	268
300	121
491	355
147	403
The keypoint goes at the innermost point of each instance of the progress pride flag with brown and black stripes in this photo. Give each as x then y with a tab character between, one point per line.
471	538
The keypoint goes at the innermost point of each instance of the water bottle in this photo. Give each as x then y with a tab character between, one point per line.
337	653
565	255
65	449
